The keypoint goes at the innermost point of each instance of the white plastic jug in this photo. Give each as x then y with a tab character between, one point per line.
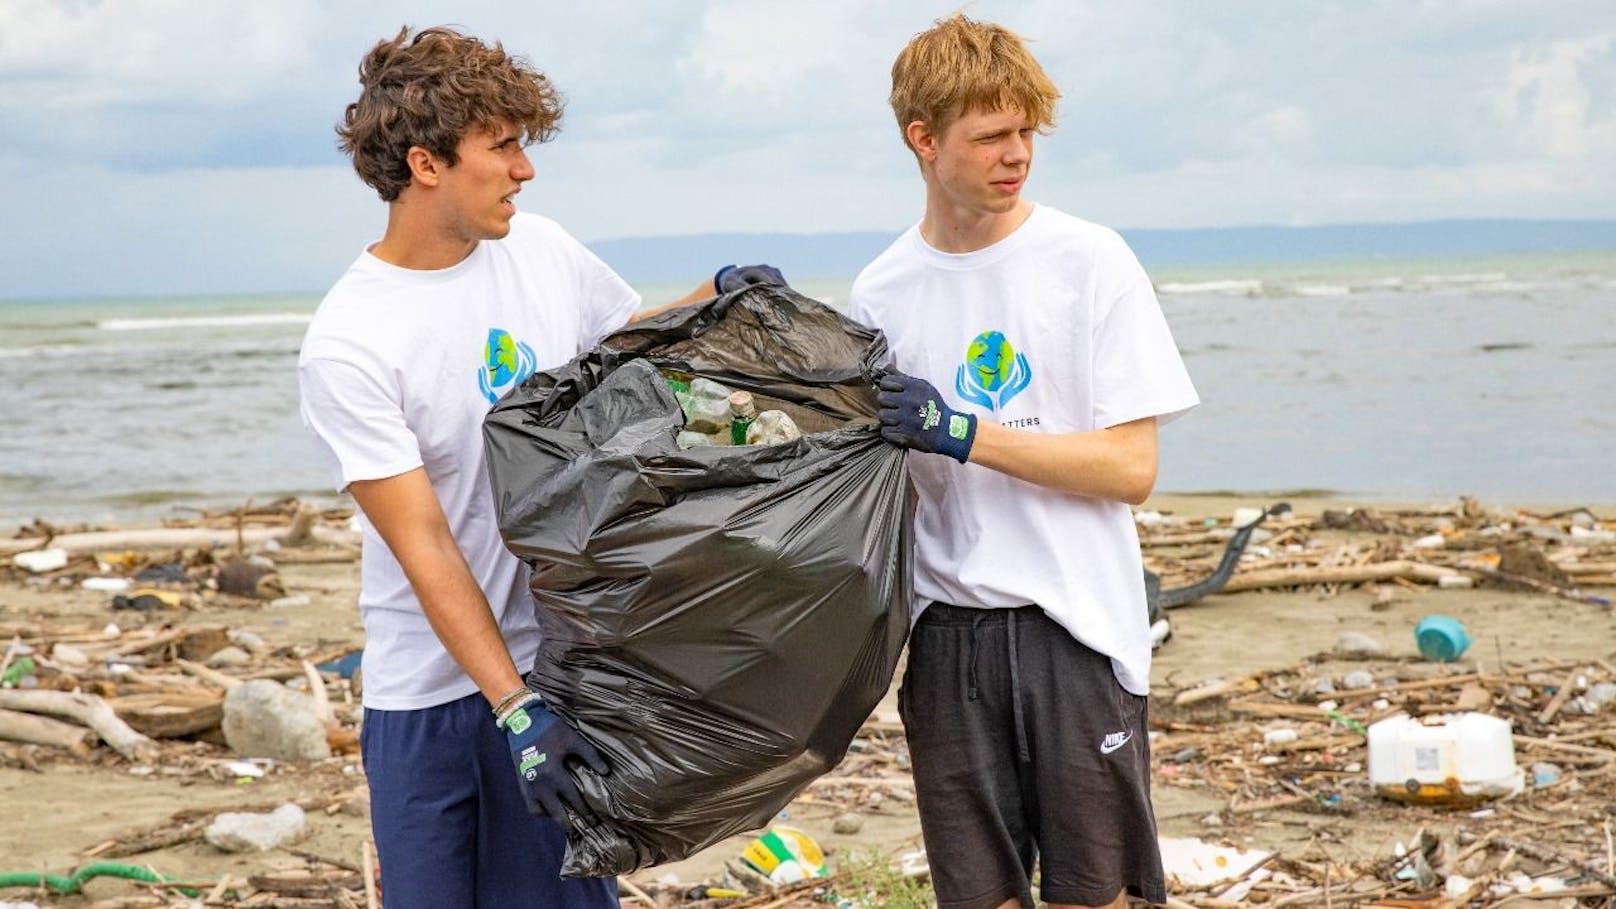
1446	759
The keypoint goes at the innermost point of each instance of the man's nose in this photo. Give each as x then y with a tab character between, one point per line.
522	170
1019	150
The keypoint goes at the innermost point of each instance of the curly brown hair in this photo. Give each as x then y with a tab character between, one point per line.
430	91
960	65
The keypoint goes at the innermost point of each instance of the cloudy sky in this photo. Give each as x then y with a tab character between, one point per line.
182	146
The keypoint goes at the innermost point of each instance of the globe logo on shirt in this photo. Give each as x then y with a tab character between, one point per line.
506	362
993	373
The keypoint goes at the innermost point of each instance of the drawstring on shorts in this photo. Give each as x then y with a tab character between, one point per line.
1022	750
972	691
976	625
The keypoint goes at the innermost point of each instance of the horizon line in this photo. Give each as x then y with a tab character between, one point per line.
1205	228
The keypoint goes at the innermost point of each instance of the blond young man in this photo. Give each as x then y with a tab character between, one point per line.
1024	698
461	299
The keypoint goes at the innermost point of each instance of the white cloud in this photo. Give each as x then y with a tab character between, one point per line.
1551	97
141	128
78	57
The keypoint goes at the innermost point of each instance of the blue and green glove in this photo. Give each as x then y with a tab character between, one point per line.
735	277
541	746
913	415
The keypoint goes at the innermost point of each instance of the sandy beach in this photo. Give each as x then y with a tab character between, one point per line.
1281	640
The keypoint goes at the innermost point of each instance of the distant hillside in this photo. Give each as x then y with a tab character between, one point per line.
688	258
1241	245
841	255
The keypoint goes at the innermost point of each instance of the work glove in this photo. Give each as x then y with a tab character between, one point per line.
913	415
735	277
541	746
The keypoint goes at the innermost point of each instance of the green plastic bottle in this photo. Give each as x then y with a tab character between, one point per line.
742	411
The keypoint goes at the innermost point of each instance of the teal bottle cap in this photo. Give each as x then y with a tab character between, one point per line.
1441	638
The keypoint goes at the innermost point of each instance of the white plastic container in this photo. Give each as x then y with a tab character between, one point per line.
1447	759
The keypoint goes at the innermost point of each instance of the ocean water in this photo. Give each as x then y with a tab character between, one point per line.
1411	379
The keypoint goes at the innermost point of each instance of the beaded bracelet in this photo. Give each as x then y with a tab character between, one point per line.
507	699
505	715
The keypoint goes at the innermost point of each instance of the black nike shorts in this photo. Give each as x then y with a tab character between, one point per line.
1025	748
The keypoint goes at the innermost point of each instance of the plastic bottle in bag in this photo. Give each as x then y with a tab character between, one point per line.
772	427
742	411
709	407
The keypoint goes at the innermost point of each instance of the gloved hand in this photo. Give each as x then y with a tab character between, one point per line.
913	415
541	744
733	277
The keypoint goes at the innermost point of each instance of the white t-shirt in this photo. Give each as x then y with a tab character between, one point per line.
397	371
1054	329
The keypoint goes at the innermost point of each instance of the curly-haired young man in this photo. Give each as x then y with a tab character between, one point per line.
462	298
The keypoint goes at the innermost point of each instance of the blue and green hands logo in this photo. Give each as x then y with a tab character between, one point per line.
506	361
993	373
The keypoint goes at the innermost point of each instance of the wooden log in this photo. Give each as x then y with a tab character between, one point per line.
1544	854
1561	695
86	710
169	715
299	882
301	531
332	556
172	538
1212	690
1282	711
900	782
1574	569
209	674
1192	538
1339	574
322	701
1269	804
16	726
1603	754
154	840
1318	743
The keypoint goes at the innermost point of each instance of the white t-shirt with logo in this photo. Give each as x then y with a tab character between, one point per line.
1054	329
397	371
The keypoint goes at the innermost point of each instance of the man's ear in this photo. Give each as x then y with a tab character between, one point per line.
922	140
425	167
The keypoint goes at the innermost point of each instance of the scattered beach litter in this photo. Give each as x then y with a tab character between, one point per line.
143	690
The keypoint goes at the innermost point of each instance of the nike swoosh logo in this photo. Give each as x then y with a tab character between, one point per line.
1110	744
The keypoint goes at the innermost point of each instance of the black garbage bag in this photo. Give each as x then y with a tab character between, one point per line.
720	621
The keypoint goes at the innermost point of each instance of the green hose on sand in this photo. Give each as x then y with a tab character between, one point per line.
71	883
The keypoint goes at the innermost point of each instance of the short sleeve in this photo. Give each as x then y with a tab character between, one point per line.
857	311
358	422
607	300
1138	372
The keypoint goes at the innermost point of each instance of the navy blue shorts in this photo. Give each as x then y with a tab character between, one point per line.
451	826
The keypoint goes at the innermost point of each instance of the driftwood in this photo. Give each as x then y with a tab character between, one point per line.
16	726
171	538
87	710
169	715
1338	574
1549	855
301	531
336	555
209	674
322	701
1560	697
151	841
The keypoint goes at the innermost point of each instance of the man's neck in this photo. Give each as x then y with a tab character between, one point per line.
951	230
417	241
